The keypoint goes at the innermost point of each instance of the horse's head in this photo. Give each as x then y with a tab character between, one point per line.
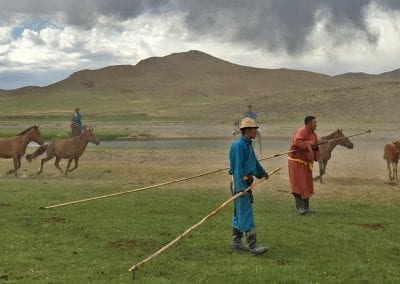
91	137
397	144
345	142
36	135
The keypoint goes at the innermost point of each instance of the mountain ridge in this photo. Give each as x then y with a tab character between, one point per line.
196	85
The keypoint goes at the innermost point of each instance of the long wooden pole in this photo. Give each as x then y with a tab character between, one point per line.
208	216
181	179
341	138
151	186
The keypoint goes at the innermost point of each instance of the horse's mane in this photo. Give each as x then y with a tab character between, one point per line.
329	136
25	131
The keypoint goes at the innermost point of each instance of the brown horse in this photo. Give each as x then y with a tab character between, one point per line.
391	155
15	147
70	148
327	148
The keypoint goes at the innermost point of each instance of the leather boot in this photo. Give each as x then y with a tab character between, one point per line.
237	240
306	205
253	247
299	204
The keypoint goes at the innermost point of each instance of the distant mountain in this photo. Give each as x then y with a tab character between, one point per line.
192	65
391	75
196	85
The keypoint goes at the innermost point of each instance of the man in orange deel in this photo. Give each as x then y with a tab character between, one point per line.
303	153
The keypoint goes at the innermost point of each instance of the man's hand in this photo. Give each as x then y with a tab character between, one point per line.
265	175
315	147
248	179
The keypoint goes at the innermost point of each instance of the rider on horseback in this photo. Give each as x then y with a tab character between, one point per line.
76	120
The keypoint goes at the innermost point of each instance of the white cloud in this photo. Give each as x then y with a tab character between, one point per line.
329	47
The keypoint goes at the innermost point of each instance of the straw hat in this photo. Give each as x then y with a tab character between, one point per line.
248	122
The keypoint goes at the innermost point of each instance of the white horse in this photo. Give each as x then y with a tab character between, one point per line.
258	139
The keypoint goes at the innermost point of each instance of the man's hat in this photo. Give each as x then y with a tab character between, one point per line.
248	122
77	108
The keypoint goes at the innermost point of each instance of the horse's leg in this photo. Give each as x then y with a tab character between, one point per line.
57	164
395	171
15	163
76	164
324	164
18	165
68	164
389	169
320	172
42	161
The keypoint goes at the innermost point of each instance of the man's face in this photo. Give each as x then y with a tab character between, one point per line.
251	132
312	124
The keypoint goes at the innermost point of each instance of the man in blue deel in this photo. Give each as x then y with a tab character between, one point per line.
243	166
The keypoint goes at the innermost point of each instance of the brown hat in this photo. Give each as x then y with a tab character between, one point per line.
248	122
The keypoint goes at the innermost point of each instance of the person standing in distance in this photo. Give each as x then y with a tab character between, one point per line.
243	166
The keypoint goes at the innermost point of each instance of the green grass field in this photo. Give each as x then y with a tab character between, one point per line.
353	238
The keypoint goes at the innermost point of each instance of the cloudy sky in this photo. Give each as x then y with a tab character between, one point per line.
44	41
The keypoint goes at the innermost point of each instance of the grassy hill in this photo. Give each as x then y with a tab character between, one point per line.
194	86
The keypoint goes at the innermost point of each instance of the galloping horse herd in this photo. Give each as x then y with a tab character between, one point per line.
69	148
72	148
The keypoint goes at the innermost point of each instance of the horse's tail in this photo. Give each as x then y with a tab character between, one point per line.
37	153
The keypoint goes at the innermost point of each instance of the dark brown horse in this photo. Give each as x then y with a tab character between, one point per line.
70	148
15	147
327	148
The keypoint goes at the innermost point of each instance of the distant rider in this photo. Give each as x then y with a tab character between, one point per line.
76	120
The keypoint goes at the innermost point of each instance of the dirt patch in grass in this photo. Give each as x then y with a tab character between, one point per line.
374	226
55	220
5	205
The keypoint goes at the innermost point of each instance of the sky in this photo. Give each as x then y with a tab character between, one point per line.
44	41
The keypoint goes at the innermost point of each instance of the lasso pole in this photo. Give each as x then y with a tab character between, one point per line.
151	186
182	179
341	138
208	216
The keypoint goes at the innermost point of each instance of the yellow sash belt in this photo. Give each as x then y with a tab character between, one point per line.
310	165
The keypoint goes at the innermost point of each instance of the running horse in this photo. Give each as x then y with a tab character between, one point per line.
327	148
258	139
69	148
15	147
